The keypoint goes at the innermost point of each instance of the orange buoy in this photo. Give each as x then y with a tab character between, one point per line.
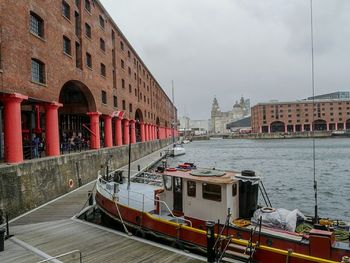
71	183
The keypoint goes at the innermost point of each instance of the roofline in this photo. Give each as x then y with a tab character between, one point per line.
130	46
302	101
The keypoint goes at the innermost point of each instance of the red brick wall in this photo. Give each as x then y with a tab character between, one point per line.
19	46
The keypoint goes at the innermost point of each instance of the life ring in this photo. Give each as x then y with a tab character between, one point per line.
171	169
71	183
268	210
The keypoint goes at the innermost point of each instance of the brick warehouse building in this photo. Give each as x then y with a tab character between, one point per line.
298	116
66	69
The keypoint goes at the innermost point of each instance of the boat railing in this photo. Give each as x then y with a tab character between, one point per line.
219	241
139	201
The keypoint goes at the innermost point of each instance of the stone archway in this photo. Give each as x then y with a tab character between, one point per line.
77	101
138	121
277	126
320	125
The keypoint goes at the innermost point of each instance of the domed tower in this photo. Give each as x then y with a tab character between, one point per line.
215	109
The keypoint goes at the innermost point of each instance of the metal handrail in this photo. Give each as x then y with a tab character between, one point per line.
143	201
64	254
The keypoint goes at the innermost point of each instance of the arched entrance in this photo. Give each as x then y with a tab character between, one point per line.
158	128
277	126
138	120
77	100
320	125
347	124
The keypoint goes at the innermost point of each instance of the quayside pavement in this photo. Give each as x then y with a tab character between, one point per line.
52	229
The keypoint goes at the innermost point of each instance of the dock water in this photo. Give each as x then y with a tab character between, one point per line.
52	230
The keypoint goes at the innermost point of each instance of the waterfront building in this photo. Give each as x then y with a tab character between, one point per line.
240	126
67	71
300	116
220	119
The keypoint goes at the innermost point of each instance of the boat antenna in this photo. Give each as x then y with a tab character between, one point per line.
313	107
173	108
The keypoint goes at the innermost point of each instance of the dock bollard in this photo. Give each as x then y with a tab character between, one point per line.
210	241
2	239
138	168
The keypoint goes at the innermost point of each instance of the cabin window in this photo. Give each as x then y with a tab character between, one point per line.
191	188
234	189
167	182
211	192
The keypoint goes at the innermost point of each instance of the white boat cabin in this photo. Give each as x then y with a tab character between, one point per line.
202	194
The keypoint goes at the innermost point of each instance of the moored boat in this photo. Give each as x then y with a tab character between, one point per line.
183	202
177	150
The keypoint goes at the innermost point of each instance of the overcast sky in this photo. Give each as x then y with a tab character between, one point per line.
229	48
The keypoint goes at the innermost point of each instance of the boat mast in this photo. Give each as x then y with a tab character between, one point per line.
173	108
313	107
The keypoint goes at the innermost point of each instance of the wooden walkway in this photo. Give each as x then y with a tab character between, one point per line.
52	230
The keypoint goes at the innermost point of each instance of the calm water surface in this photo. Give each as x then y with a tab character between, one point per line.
286	167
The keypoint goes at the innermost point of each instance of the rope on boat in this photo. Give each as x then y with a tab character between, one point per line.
121	219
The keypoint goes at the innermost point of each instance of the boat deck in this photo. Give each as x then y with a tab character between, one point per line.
52	230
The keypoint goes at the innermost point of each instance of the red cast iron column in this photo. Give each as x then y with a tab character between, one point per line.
118	132
94	129
126	131
13	127
133	131
51	129
108	130
142	125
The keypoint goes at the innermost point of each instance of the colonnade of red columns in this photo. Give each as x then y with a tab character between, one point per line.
13	129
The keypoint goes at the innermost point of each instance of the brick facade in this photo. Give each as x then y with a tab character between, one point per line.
127	85
299	116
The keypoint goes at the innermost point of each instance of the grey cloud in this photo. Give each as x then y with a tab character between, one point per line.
228	48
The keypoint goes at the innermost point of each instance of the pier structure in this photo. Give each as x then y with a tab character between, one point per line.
53	231
71	80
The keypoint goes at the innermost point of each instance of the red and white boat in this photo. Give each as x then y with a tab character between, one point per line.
191	208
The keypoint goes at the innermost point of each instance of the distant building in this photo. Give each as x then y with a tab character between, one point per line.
333	95
193	127
220	119
242	125
300	116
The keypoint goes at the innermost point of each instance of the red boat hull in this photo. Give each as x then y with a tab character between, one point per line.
271	248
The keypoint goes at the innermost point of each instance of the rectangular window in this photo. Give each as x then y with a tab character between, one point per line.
65	9
88	5
88	60
102	22
38	71
87	30
121	45
115	101
191	188
77	24
36	25
130	107
78	56
77	3
129	54
130	88
103	70
67	48
123	83
124	107
102	45
104	97
211	192
234	189
122	63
